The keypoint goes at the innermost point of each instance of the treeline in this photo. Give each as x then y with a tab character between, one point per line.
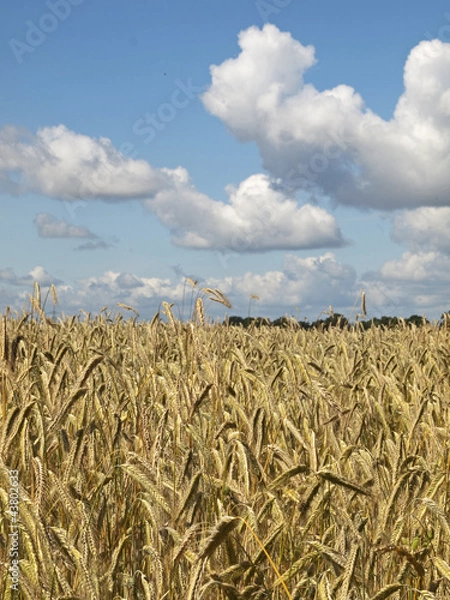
335	320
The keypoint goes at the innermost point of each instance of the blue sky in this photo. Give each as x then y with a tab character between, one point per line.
294	150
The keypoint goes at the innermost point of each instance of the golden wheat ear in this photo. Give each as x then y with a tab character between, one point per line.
199	311
363	304
192	282
219	534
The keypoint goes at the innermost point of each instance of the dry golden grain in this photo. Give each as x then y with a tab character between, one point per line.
220	533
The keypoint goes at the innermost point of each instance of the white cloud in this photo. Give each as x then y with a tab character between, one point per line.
328	141
312	282
425	267
38	274
49	226
65	165
146	293
246	89
129	281
258	217
417	283
424	228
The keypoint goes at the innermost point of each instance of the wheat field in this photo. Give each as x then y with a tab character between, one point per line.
172	460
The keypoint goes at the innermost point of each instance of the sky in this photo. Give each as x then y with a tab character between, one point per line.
289	153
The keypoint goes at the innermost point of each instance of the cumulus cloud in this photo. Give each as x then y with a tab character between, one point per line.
424	267
112	287
305	282
128	281
258	217
311	284
91	293
417	282
242	93
66	165
425	228
38	274
48	226
328	141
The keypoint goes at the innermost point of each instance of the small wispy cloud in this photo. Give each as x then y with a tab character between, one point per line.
48	226
95	245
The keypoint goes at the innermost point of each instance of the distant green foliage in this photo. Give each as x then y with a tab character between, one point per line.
336	320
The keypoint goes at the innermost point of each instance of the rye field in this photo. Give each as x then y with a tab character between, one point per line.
170	460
